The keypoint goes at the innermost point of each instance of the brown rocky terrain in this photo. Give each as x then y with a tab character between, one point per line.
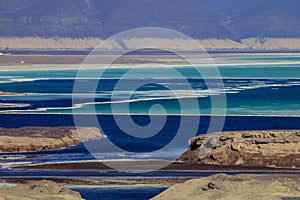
221	186
32	139
199	19
42	190
247	148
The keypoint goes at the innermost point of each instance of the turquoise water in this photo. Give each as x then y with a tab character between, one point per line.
271	89
233	71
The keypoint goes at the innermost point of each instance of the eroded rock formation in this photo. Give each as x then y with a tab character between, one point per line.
32	139
255	148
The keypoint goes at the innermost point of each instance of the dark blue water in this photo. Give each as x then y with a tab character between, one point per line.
244	97
136	144
250	90
270	90
120	174
119	193
231	123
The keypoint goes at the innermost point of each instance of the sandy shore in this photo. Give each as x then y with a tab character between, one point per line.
101	182
34	139
2	93
24	60
38	190
19	62
225	187
219	186
13	105
132	165
277	181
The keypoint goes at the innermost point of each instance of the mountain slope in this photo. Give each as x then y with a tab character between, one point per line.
233	19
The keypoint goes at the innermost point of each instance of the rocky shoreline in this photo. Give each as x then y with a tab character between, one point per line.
219	186
274	148
42	190
274	151
34	139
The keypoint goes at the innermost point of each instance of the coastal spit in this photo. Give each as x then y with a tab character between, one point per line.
34	139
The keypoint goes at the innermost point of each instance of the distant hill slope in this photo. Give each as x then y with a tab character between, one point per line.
234	19
57	43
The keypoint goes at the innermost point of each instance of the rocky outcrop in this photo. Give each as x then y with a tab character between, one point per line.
42	190
222	186
32	139
251	148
